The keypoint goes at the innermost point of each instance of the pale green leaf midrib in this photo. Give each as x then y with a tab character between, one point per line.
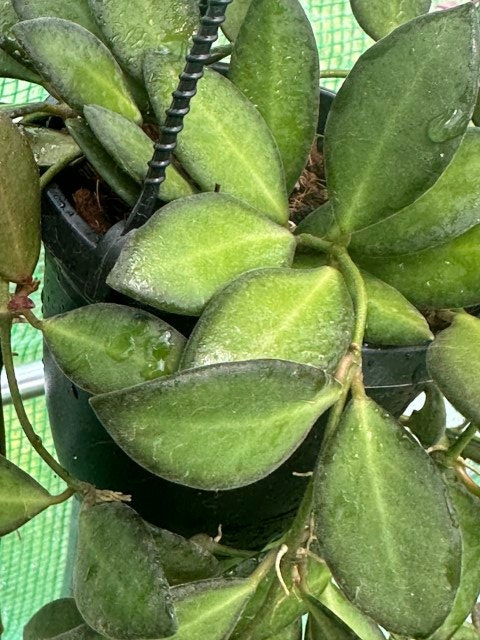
243	160
371	167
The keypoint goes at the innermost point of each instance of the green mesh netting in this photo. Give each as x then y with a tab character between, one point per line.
32	567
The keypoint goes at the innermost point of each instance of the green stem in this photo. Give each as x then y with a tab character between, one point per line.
42	108
471	451
33	438
312	242
462	441
55	169
335	73
32	319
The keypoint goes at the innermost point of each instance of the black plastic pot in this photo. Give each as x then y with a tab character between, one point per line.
250	516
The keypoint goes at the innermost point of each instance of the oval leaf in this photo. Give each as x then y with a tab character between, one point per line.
52	620
443	277
132	149
400	116
283	86
323	624
303	316
239	154
318	222
116	556
378	18
21	497
78	12
292	632
428	423
77	64
103	347
193	247
19	205
10	68
452	361
448	209
218	427
183	560
49	146
467	508
234	18
126	188
391	319
134	27
210	608
385	524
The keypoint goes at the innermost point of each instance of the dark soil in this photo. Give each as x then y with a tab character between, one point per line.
311	190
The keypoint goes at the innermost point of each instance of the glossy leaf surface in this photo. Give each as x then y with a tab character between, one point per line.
334	600
304	316
442	277
103	347
428	423
448	209
209	608
467	508
323	624
126	188
385	524
78	12
400	116
116	556
134	27
193	247
391	319
183	560
452	361
218	427
48	145
77	64
239	154
275	64
378	18
19	205
52	620
234	18
132	149
21	497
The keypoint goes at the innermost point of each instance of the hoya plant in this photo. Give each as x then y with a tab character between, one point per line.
285	295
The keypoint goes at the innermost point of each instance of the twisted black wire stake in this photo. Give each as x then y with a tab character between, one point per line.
202	43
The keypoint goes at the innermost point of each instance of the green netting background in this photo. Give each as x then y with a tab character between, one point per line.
32	568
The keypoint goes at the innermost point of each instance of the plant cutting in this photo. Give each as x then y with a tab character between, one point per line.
225	326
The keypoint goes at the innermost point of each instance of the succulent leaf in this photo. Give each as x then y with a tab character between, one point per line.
428	423
48	145
218	427
52	620
379	18
234	18
78	12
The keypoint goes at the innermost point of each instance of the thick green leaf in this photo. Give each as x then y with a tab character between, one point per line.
309	260
119	585
183	560
378	18
275	64
193	247
323	624
361	625
49	146
448	209
237	153
19	205
303	316
52	620
78	66
11	68
467	632
103	347
78	12
318	222
467	508
210	608
452	361
292	632
235	16
134	27
8	18
126	188
385	524
21	497
82	632
218	427
392	320
442	277
428	423
132	149
400	116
